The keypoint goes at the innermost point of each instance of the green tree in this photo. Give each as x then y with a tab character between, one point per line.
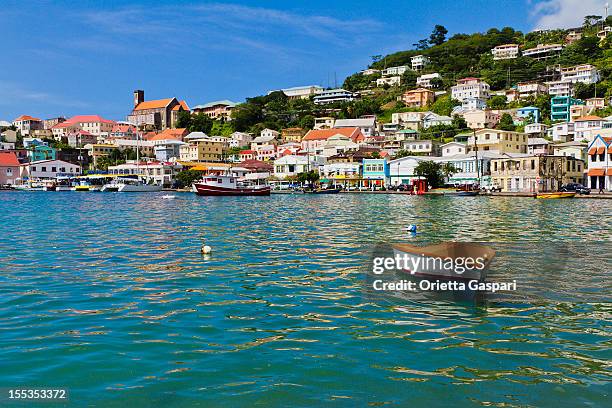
308	177
438	35
409	79
432	172
506	122
498	102
307	122
183	120
444	105
186	178
201	123
459	122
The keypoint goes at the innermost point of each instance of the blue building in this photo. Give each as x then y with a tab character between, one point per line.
41	152
375	172
527	111
560	107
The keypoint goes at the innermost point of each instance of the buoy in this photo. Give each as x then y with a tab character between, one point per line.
206	249
411	228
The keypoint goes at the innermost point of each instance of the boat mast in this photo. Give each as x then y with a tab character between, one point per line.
476	157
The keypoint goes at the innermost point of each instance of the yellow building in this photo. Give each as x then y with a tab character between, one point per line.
536	173
203	150
502	141
96	151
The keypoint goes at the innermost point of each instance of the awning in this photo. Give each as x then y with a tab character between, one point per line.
596	172
610	149
199	168
592	150
601	149
609	171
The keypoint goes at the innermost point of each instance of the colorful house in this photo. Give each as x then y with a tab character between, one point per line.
375	172
600	163
9	168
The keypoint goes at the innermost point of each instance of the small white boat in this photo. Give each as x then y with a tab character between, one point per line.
130	185
168	197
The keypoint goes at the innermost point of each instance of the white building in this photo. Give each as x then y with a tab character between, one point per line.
542	51
366	125
469	104
529	88
587	127
538	145
370	71
302	92
167	150
505	51
433	119
600	164
240	139
47	169
159	173
418	62
401	171
395	71
26	124
561	132
333	96
291	165
536	129
422	146
424	81
324	123
560	88
586	73
340	172
269	133
453	149
391	81
470	88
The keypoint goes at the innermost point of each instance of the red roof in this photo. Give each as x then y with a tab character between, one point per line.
123	128
323	134
88	119
587	118
182	104
256	165
8	159
248	152
27	117
170	134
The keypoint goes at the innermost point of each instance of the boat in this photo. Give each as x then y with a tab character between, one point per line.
51	186
322	191
439	255
463	193
130	185
168	197
557	194
228	185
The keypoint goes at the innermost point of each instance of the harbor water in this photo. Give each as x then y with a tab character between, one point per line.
109	297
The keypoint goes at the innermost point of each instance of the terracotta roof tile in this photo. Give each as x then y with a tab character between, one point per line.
8	159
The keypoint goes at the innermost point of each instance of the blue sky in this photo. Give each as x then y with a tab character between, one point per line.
67	58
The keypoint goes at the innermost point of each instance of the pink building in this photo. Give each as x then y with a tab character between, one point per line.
248	155
94	124
315	139
9	168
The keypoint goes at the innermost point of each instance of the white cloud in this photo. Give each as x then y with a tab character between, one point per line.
549	14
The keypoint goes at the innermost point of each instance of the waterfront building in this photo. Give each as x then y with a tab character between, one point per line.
202	149
375	172
240	139
560	107
470	88
585	73
469	169
600	163
292	165
536	173
401	171
390	81
338	173
505	51
157	114
543	51
334	96
425	80
9	168
48	169
301	92
316	138
154	172
501	141
41	151
324	123
26	124
216	110
367	125
453	149
418	98
418	62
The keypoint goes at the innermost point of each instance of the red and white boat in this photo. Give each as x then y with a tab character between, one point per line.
223	185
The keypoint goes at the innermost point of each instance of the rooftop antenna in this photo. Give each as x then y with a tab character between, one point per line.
606	7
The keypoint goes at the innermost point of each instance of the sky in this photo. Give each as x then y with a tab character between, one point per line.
61	58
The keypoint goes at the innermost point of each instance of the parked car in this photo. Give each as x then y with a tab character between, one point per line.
577	188
491	188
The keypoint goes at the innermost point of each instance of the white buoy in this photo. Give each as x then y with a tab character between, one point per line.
411	228
206	249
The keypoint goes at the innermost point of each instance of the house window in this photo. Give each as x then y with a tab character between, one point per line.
9	172
43	168
53	169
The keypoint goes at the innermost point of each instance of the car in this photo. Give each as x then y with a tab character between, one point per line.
576	187
492	188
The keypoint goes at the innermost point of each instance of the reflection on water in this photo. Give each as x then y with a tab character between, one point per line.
109	296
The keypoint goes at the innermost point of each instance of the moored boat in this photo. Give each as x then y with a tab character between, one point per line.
432	261
130	185
225	185
557	194
322	191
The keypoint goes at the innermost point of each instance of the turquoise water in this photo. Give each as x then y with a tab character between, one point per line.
108	296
